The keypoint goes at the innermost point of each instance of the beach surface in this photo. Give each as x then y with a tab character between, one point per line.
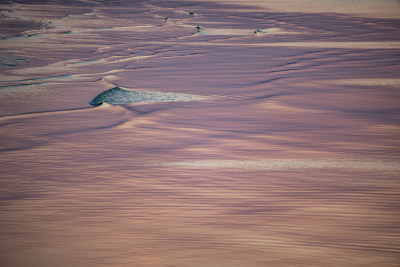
266	133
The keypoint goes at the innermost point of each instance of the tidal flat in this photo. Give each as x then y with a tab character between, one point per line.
236	133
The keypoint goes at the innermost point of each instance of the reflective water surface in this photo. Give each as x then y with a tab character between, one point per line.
288	154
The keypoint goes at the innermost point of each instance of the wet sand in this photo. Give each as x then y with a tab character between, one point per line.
288	154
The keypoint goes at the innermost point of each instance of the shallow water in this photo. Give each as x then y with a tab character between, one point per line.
288	156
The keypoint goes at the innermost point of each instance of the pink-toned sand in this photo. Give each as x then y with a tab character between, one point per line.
287	156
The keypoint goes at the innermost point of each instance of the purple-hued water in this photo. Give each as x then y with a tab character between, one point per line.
283	149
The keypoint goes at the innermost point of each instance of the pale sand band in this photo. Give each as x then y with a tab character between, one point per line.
276	164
